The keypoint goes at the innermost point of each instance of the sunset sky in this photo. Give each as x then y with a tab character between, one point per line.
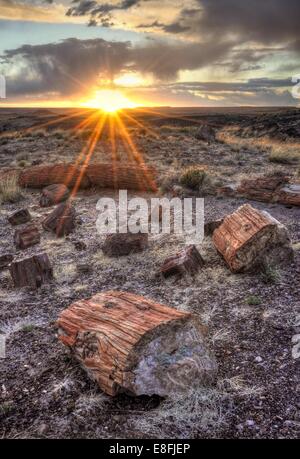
150	52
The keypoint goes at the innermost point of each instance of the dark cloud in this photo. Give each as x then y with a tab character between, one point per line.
64	67
99	12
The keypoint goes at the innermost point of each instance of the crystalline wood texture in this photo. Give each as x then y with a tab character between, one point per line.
249	236
130	343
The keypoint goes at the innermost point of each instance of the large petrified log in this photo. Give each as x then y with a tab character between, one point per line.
249	237
103	175
53	194
33	271
19	217
44	175
62	220
120	244
129	343
187	261
26	237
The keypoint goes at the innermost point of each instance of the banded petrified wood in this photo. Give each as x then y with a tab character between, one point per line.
129	343
249	237
33	271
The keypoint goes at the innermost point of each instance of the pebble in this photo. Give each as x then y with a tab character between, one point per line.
258	359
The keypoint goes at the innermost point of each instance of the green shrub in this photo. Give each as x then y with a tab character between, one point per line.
194	178
253	300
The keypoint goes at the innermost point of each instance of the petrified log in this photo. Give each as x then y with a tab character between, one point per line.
19	217
187	261
129	343
119	244
62	220
5	260
103	175
26	237
33	271
289	195
41	176
120	176
53	194
249	237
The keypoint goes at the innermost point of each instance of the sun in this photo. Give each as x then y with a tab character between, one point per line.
110	101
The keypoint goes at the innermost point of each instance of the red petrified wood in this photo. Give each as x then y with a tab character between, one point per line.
249	236
129	343
33	271
187	261
26	237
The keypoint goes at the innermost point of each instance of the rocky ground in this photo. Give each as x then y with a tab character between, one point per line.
251	318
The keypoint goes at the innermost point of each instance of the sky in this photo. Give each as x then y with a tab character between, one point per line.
203	53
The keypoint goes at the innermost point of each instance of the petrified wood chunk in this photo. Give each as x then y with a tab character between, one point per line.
19	217
289	195
187	261
33	271
119	244
26	237
62	220
129	343
5	260
53	194
262	188
248	237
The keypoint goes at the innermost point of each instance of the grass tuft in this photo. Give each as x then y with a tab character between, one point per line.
10	191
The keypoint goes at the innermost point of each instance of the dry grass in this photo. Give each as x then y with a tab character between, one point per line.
10	191
197	411
279	152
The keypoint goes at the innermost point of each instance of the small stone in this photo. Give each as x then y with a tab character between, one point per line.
79	245
250	423
258	359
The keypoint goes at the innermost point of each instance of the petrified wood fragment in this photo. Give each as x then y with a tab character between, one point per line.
187	261
19	217
33	271
26	237
130	343
249	236
62	220
119	244
53	194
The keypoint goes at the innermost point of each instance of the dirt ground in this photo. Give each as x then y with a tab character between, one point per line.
251	319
